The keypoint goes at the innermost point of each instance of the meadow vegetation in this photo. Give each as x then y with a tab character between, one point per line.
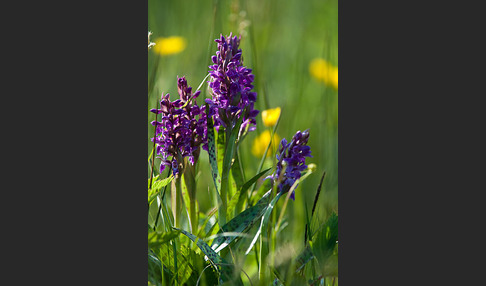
243	172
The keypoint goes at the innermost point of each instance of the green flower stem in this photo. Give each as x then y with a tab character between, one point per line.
225	178
229	153
190	181
223	193
177	201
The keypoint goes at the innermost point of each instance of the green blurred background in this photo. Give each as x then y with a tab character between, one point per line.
279	40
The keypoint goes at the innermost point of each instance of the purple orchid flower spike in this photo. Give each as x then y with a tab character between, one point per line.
293	154
182	128
231	85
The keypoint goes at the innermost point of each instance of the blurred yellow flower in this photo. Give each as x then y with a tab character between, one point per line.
270	116
324	71
261	142
169	46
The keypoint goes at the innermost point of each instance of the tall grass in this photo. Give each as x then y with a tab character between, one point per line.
279	39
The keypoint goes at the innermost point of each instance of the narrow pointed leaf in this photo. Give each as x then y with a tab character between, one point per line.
212	153
266	150
241	223
205	248
237	172
157	185
223	267
238	197
220	147
156	239
253	180
325	240
264	221
303	258
154	269
231	147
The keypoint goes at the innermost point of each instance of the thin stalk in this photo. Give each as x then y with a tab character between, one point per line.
193	214
284	207
273	235
177	201
265	154
225	181
223	193
190	181
153	153
317	194
176	271
162	199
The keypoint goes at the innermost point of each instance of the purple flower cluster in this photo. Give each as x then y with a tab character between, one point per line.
231	85
293	154
182	128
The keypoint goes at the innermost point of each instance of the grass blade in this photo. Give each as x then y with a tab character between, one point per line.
157	186
238	199
265	153
220	147
237	172
212	153
317	194
241	223
225	269
305	256
156	239
212	158
265	218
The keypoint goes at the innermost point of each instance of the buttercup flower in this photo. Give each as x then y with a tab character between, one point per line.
169	46
261	142
182	128
324	71
270	116
231	85
293	156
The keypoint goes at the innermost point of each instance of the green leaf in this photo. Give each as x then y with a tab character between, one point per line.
238	198
220	147
212	154
154	269
225	269
266	150
253	180
305	256
265	218
325	239
229	153
206	249
180	263
209	221
231	143
241	223
156	239
160	211
237	172
157	185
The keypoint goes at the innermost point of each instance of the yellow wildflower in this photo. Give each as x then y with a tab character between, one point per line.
169	46
261	142
270	116
324	71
